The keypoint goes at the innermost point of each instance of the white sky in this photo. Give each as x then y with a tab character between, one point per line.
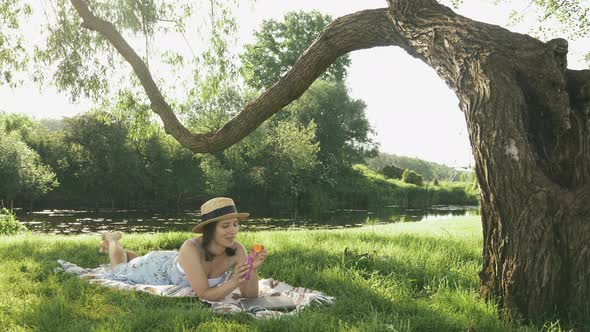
411	109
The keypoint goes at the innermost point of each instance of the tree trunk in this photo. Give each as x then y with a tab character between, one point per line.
527	117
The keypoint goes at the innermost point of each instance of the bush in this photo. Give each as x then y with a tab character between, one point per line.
9	224
392	171
412	177
22	172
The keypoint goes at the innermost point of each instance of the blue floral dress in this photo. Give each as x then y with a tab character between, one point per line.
159	268
153	268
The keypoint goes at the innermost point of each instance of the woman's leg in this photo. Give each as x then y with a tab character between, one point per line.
116	253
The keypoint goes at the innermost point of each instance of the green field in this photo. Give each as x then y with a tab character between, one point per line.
397	277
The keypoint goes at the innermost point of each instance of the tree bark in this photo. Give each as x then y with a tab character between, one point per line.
528	128
527	117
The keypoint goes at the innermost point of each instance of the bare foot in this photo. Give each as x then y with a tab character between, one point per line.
112	236
104	247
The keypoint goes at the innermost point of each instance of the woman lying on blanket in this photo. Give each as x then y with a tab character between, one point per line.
202	263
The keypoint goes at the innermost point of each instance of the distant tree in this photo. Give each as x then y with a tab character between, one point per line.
111	169
19	123
429	170
343	130
53	124
435	182
22	174
392	171
279	161
174	173
412	177
70	162
278	44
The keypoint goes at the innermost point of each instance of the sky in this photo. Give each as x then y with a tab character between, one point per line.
410	108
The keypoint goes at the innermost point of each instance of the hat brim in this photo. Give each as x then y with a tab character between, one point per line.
240	216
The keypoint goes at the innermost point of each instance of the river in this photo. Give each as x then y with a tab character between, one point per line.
132	221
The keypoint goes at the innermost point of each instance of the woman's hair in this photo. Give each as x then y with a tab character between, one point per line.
208	235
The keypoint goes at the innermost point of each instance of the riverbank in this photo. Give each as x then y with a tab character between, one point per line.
400	277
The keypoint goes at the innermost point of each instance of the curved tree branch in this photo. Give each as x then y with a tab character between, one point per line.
365	29
159	105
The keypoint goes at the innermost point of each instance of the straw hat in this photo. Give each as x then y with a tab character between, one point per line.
218	208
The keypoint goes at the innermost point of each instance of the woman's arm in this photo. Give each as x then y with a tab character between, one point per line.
190	261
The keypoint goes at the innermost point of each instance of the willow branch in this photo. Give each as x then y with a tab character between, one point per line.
361	30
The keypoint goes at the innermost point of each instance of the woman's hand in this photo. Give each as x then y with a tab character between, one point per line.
239	275
258	258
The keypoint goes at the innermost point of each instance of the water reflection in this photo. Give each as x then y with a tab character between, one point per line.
131	221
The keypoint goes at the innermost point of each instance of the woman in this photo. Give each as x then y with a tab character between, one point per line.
203	263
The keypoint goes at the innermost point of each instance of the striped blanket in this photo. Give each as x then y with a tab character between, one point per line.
302	297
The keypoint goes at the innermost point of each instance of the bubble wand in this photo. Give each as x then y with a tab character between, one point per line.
256	248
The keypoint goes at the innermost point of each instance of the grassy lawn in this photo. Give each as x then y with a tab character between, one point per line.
397	277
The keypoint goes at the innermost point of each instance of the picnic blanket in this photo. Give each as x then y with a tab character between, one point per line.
302	297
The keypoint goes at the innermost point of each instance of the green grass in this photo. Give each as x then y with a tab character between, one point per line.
398	277
378	190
